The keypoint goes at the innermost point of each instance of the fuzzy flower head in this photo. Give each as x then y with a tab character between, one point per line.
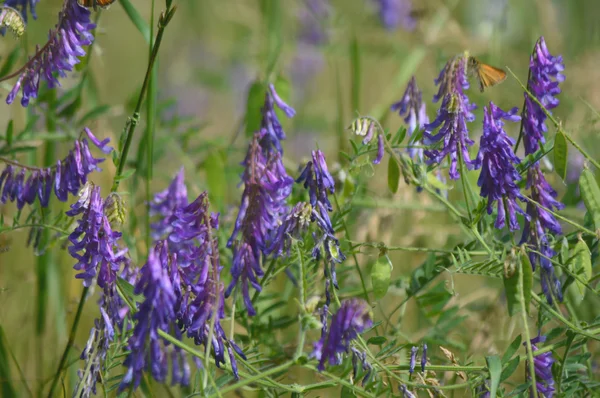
396	13
93	242
353	318
545	71
543	370
59	55
499	176
412	108
263	204
452	117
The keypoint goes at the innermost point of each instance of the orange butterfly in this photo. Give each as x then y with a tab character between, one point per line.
488	75
95	3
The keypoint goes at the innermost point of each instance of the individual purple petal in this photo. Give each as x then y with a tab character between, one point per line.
380	149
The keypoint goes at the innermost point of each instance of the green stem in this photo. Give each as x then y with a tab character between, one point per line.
70	342
463	177
524	311
564	320
574	224
150	115
570	338
254	378
132	122
356	265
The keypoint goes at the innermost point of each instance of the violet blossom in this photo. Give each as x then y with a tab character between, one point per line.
353	318
412	108
499	176
395	13
165	203
452	118
59	55
543	370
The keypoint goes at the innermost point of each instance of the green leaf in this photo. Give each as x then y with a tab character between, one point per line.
416	136
512	349
527	271
560	155
509	369
581	266
129	291
11	61
9	133
511	285
126	174
377	340
256	98
214	165
400	135
136	19
495	368
393	174
380	276
591	195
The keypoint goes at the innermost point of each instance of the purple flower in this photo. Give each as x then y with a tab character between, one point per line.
380	149
394	13
412	108
544	78
353	317
270	124
68	176
263	204
196	283
499	175
366	366
452	117
483	390
147	350
424	357
59	55
543	370
93	242
294	224
165	203
413	359
406	393
320	184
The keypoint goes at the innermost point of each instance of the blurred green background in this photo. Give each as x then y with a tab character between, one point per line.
211	54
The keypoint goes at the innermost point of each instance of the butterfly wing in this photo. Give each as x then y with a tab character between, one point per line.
489	76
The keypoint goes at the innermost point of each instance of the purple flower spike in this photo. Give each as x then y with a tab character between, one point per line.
148	351
60	54
545	76
353	317
266	188
452	118
165	203
270	122
395	13
499	175
93	242
424	357
412	108
543	370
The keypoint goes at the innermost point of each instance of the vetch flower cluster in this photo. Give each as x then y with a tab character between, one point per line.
263	204
59	55
165	203
320	184
412	108
452	117
352	318
24	184
543	84
294	224
367	127
499	176
543	370
94	244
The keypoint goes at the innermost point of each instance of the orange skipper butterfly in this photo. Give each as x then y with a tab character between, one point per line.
487	75
95	3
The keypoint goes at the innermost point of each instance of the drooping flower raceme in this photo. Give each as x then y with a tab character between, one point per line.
320	184
452	117
353	317
264	200
59	55
499	176
196	279
545	75
543	370
412	108
94	244
147	350
395	13
24	184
